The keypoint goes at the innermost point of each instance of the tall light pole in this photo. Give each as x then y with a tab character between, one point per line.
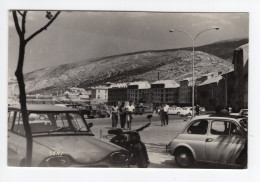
193	46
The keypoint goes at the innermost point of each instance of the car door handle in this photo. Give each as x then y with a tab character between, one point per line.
209	139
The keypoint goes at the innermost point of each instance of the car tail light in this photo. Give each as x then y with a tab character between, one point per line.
118	157
58	161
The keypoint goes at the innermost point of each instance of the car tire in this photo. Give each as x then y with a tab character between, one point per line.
189	114
184	158
178	113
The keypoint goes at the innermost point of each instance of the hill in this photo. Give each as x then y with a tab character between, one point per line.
145	65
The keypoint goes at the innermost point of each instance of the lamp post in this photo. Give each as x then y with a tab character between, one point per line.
193	45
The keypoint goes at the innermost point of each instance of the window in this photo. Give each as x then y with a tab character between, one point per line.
199	127
18	124
220	128
10	119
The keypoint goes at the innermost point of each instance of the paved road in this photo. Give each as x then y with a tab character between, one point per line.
155	137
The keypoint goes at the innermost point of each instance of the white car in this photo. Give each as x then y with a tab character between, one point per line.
214	139
174	110
186	111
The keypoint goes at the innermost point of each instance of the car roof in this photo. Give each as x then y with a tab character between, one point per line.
43	108
230	117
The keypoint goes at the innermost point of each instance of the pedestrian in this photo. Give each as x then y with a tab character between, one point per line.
161	114
230	109
165	110
122	114
224	112
129	111
197	109
114	112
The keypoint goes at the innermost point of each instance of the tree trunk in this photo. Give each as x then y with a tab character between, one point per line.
22	97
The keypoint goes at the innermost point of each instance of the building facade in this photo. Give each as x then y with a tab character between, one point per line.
240	61
117	93
139	92
164	91
185	92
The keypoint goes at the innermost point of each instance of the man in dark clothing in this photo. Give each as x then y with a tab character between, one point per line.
197	109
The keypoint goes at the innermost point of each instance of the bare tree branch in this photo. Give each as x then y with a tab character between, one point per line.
20	13
16	23
43	28
23	22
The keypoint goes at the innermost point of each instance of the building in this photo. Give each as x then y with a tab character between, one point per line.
206	90
185	92
240	61
139	92
164	91
76	90
99	92
117	93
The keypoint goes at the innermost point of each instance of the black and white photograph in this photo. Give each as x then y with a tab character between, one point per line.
127	89
153	94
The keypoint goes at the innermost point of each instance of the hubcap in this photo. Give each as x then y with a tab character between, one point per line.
183	159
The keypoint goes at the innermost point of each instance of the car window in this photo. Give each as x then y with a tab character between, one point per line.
57	122
234	129
18	124
10	119
220	127
199	127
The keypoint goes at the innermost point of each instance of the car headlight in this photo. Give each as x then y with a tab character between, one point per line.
118	157
58	161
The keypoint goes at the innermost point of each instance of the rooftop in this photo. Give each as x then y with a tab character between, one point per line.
167	83
214	79
142	84
118	85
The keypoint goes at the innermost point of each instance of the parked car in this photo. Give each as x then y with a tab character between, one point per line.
64	139
174	110
212	139
139	110
186	111
242	112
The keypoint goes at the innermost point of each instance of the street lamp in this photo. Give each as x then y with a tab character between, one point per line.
193	45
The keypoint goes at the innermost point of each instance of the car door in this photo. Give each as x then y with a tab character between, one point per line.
195	137
224	142
16	139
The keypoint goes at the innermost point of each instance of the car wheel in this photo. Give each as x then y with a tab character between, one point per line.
184	158
42	117
178	113
189	114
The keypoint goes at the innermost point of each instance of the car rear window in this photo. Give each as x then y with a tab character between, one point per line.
199	127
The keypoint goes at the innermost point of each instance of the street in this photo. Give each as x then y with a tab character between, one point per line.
155	138
155	145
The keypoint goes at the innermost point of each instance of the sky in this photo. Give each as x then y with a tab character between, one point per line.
81	35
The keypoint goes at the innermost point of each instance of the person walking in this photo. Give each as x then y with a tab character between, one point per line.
122	114
165	110
114	112
129	111
161	114
197	109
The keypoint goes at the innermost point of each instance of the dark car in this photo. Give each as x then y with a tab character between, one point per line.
86	110
63	139
139	110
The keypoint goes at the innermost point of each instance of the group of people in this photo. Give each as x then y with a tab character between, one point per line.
163	112
124	113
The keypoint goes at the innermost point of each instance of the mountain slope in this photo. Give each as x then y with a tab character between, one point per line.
144	65
123	68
